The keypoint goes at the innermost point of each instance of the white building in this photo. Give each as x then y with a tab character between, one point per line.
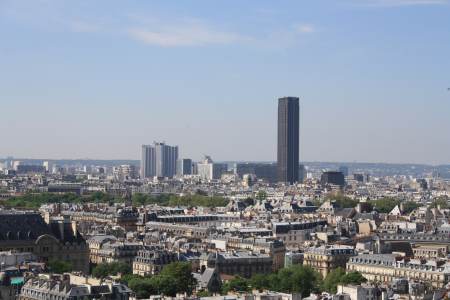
208	170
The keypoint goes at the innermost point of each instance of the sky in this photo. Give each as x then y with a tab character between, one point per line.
97	79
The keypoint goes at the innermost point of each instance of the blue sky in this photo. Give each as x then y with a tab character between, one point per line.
96	79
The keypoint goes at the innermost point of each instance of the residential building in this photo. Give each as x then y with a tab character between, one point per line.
387	267
68	287
151	261
158	160
209	170
327	258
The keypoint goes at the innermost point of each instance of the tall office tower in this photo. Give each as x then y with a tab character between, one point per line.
288	139
159	160
184	166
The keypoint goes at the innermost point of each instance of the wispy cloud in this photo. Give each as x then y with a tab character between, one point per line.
152	29
187	33
304	28
393	3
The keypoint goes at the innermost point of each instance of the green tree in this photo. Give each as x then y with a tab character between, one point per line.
260	281
295	279
338	276
111	269
237	284
409	206
353	277
59	266
181	272
142	287
441	201
386	204
341	200
261	195
203	293
167	285
332	280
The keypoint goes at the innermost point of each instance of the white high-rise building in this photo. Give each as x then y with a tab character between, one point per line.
209	170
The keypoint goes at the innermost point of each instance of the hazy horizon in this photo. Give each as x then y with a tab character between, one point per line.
99	79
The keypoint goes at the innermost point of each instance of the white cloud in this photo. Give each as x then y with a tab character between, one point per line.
304	28
388	3
189	33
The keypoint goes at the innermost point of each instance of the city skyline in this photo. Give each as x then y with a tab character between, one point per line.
100	79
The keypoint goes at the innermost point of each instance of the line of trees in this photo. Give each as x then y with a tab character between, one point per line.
174	200
35	200
295	279
111	269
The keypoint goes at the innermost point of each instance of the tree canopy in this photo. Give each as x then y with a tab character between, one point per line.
35	200
295	279
59	266
174	200
174	278
441	201
237	284
385	204
111	269
338	276
341	200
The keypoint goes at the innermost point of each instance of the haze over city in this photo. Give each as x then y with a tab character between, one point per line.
99	79
224	150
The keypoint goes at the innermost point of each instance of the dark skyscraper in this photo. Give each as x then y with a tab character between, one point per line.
288	139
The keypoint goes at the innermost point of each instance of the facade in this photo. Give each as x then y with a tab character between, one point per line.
158	160
327	258
114	251
358	292
24	169
288	139
264	171
333	178
209	170
273	247
185	230
184	167
244	264
125	172
293	234
50	239
387	267
151	261
61	287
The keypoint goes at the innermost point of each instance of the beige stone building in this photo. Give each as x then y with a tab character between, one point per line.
326	258
151	261
387	267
